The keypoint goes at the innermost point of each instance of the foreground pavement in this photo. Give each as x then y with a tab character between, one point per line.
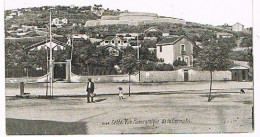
156	113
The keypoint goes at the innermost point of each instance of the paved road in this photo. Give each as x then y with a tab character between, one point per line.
161	113
12	89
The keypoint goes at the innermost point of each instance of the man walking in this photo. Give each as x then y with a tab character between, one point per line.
90	90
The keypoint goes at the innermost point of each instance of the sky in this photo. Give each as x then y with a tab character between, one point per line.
214	12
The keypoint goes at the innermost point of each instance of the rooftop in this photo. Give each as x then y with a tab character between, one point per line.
169	39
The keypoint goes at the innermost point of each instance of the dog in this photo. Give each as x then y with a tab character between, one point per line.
242	91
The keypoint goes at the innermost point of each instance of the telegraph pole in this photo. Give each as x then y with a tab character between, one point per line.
47	67
138	57
51	64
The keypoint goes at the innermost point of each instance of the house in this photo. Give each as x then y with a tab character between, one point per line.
29	28
153	32
80	36
115	41
238	27
174	48
249	30
225	26
64	21
55	21
113	51
9	17
72	6
98	10
59	22
240	73
56	44
224	35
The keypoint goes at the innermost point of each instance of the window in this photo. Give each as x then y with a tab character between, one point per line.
106	41
118	41
125	41
160	48
186	60
183	48
113	41
179	58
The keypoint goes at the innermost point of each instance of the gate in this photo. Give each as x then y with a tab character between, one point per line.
186	76
60	71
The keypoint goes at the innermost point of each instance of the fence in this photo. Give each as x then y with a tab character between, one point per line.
23	72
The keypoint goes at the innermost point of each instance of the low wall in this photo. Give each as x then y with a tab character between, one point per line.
161	76
178	75
205	75
105	78
153	76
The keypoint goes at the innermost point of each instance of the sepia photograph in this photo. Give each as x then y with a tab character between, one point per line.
99	67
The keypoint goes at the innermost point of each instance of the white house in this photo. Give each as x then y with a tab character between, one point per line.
9	17
238	27
174	48
55	21
64	21
224	35
44	45
115	41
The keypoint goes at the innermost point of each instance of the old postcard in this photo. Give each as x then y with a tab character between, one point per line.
128	67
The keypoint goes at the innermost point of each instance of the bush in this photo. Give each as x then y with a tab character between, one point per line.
177	63
164	67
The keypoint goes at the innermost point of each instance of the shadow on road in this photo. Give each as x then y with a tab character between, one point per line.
43	127
100	100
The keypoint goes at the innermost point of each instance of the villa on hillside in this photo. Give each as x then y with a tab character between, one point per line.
238	27
174	48
115	41
152	32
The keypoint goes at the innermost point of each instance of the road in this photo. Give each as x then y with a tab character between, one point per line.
12	89
156	113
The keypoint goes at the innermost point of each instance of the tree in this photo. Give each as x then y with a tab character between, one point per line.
129	65
213	56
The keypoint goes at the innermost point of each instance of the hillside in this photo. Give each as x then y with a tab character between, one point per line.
77	17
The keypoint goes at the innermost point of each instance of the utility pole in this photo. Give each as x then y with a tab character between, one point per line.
71	43
138	57
51	64
47	89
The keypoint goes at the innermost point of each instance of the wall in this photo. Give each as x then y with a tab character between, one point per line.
153	76
189	51
105	78
166	54
133	18
205	75
110	18
178	75
161	76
